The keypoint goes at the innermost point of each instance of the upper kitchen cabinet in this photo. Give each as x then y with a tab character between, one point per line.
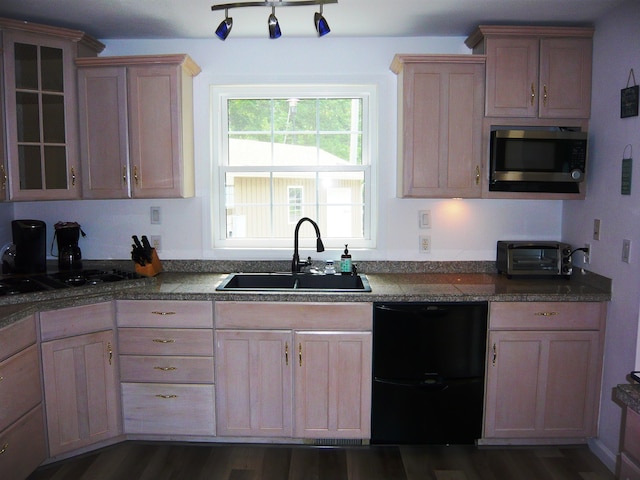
440	113
136	126
40	108
536	72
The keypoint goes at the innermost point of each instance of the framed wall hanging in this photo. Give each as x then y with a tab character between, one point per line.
629	98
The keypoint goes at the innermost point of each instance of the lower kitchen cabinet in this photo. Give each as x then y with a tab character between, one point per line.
80	376
254	382
167	367
22	434
543	371
630	447
333	384
291	369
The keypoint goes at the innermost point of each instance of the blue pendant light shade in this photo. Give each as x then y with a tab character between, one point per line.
322	27
224	28
274	26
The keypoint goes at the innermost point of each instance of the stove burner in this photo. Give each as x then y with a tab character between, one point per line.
13	285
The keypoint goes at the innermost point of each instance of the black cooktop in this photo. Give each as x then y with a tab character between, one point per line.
18	284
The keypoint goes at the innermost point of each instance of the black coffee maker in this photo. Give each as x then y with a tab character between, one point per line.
69	255
30	241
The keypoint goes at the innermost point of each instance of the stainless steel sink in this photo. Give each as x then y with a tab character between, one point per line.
269	282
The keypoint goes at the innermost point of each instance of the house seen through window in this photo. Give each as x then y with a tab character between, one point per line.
289	152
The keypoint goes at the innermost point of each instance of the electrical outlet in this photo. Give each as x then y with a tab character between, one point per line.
424	243
626	250
155	215
586	257
156	242
596	229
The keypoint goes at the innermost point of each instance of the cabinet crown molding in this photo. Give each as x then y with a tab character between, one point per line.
182	59
401	59
535	31
76	36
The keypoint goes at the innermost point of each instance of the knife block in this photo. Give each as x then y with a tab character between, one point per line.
152	269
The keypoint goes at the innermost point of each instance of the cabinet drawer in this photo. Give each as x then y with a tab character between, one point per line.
17	336
23	446
68	322
166	369
546	315
166	341
20	389
165	313
165	409
303	316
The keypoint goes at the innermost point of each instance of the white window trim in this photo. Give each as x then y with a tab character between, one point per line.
219	96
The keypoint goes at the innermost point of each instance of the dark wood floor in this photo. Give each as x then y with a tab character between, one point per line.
159	461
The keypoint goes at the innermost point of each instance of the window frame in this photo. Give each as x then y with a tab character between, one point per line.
219	153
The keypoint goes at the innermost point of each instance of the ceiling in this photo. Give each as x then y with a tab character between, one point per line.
108	19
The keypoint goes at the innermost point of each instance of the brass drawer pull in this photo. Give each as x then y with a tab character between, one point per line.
161	340
163	313
4	448
545	314
165	369
166	396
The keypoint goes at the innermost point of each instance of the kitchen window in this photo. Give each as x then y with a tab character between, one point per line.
287	152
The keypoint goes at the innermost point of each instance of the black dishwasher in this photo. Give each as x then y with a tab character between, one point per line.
428	372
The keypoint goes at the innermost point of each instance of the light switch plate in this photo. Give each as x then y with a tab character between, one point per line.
626	250
424	218
155	215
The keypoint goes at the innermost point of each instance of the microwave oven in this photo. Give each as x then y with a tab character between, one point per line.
534	258
537	160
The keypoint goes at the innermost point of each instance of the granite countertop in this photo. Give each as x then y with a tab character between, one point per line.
421	283
629	395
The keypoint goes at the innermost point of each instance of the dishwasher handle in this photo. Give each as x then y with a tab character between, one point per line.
435	383
432	309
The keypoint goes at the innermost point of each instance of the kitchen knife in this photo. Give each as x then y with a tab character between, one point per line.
147	248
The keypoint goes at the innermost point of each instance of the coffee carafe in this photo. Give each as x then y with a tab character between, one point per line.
67	235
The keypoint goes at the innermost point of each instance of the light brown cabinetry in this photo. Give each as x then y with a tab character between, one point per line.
80	376
136	128
333	384
288	369
630	447
40	108
440	111
254	382
543	371
167	367
22	434
536	72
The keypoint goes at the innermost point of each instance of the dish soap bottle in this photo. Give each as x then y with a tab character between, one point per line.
345	262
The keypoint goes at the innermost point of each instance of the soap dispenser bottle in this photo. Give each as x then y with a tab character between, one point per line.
345	261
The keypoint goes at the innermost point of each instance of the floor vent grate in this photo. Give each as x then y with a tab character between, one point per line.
336	442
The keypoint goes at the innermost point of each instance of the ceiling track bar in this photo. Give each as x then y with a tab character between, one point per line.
272	3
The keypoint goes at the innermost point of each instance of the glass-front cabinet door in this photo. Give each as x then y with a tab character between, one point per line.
41	117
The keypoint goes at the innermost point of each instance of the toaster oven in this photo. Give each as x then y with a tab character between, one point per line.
534	258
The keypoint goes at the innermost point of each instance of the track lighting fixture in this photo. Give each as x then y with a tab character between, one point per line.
322	27
274	26
225	26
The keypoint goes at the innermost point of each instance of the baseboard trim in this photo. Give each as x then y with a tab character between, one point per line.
605	455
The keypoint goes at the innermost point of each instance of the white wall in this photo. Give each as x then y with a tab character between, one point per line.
615	52
461	229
